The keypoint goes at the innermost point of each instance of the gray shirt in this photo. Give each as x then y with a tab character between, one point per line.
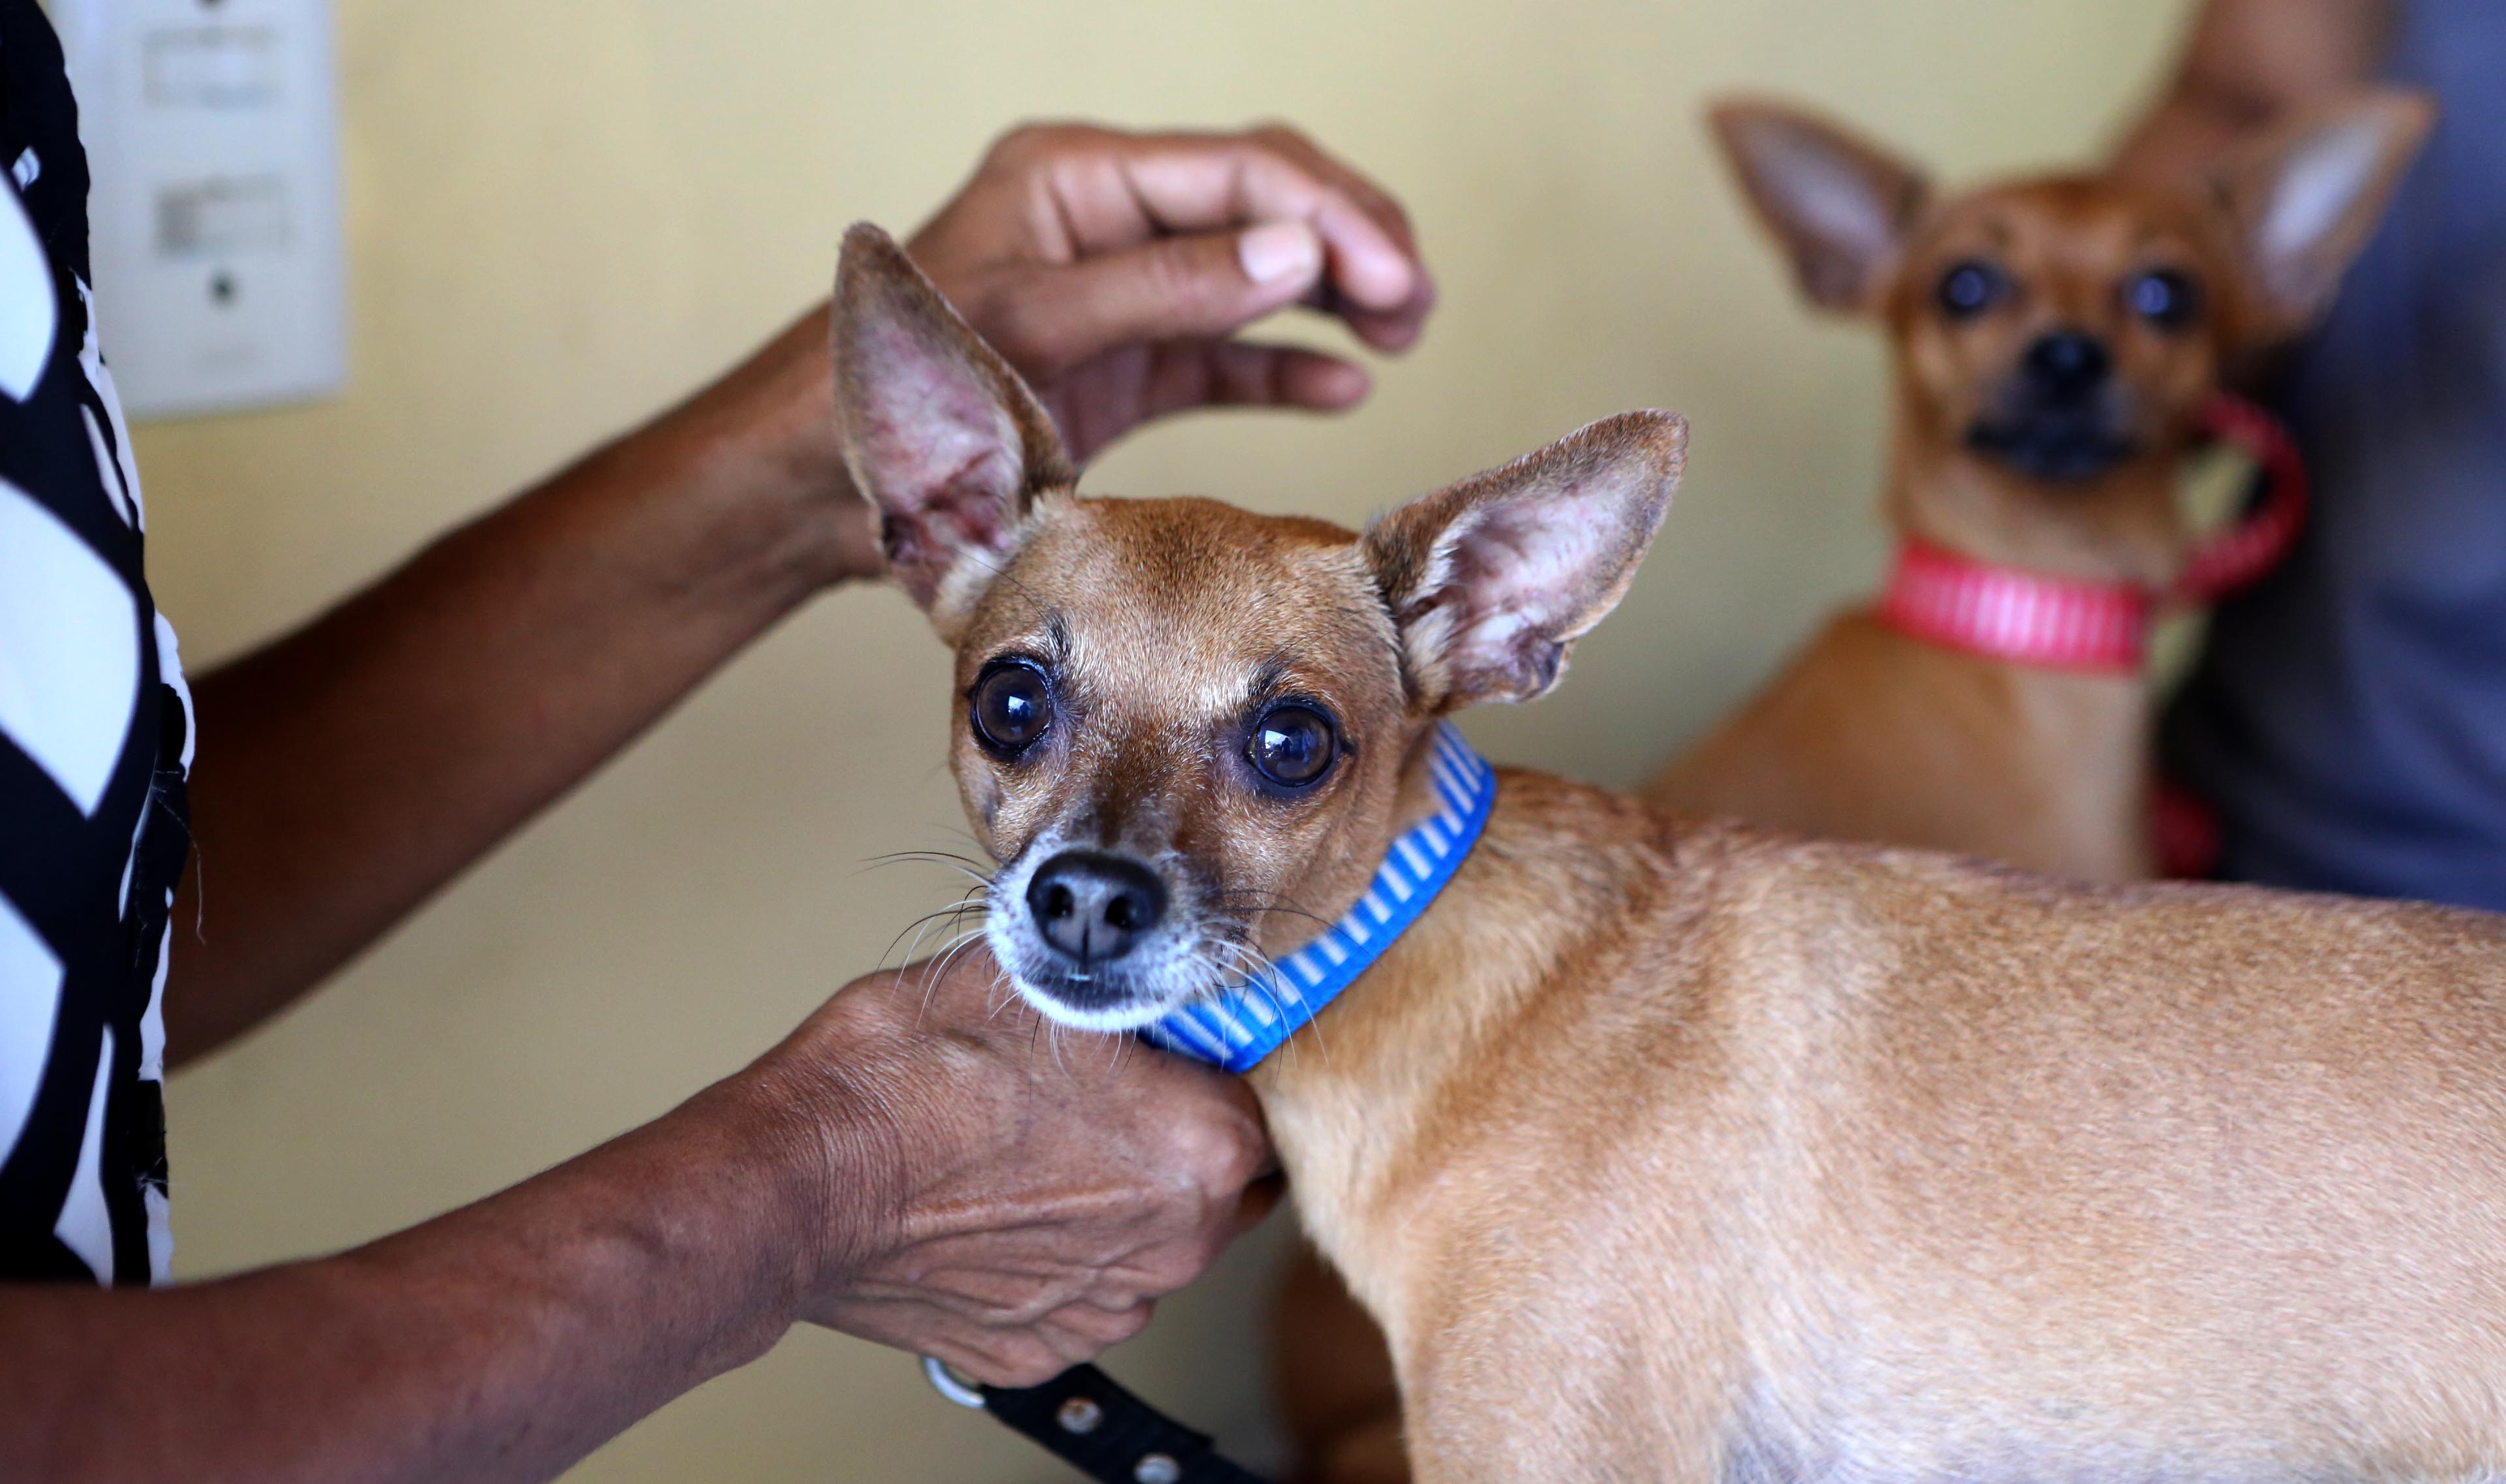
2349	718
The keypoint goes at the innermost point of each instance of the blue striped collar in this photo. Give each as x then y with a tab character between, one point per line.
1240	1024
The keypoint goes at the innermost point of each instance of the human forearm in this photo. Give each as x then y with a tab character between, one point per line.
500	1341
907	1166
347	771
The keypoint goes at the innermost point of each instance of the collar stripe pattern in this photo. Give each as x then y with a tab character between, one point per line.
1235	1028
2003	613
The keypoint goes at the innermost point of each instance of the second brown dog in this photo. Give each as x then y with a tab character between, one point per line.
2054	343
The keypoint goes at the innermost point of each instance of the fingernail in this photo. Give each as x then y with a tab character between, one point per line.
1342	385
1279	250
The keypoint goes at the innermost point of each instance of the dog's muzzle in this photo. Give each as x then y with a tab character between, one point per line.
2058	419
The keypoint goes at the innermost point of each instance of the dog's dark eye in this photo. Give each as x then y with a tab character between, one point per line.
1970	287
1292	746
2164	297
1012	706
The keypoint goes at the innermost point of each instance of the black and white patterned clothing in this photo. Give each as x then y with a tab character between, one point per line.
96	735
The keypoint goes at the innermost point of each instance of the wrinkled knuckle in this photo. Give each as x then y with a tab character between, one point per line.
1019	1315
1201	1151
1279	134
1020	142
1025	1359
1038	139
1036	1307
1099	1325
1180	276
1249	1152
1221	1155
1123	1324
1176	1265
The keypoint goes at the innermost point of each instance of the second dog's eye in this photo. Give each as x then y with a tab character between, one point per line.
1292	746
1970	287
2164	297
1012	707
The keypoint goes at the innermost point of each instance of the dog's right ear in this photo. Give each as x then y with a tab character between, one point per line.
2304	198
1491	580
1841	207
942	437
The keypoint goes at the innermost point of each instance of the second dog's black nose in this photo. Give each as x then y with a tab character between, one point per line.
1092	907
2066	364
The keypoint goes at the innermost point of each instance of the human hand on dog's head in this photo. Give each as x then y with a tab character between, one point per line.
993	1193
1113	270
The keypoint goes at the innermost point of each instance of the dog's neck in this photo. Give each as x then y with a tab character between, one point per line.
2122	527
1352	1101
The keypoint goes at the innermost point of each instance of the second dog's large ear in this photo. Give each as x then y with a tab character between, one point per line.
2305	198
1491	580
941	436
1841	206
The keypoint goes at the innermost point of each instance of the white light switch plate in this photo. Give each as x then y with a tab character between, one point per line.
212	136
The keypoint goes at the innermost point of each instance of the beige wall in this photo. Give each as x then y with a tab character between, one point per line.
562	212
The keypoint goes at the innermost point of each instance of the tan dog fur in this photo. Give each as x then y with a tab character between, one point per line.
1668	1150
1869	734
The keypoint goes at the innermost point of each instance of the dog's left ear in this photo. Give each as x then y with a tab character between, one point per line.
1489	581
942	437
1841	206
2304	200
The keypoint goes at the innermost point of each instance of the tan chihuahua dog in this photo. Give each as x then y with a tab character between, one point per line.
1679	1152
2055	342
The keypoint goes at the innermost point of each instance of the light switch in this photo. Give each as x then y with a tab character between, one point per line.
212	136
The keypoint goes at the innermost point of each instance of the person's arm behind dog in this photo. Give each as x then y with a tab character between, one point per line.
349	770
908	1170
2248	63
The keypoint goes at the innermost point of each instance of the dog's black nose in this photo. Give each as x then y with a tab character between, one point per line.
2066	365
1092	907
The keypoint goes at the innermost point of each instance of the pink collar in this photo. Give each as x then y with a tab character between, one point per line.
2063	623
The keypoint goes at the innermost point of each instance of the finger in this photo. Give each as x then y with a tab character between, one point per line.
1105	400
1112	191
1114	188
1054	317
1400	322
1260	1199
1369	198
1390	332
1185	374
1190	183
1099	1325
1018	1357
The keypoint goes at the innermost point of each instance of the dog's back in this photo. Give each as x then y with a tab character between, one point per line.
1836	1161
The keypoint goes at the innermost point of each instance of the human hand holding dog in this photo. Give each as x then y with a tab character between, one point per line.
931	1174
1008	1206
